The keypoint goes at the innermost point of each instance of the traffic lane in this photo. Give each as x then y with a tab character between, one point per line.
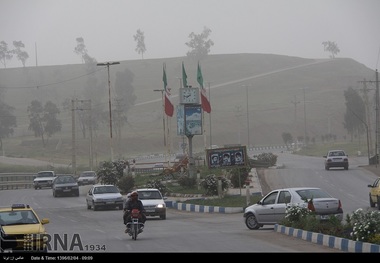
103	231
180	232
350	186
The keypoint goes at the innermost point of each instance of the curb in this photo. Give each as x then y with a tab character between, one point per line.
203	208
329	241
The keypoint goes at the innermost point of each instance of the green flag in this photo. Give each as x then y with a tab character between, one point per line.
184	76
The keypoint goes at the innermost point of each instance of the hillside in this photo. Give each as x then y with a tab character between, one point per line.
276	86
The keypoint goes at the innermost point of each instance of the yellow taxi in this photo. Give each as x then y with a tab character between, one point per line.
374	193
22	230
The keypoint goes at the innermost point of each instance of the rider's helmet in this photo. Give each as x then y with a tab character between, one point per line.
134	195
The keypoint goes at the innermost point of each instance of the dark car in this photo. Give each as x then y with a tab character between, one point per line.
65	185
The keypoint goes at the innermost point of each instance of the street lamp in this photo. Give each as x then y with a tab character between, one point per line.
108	64
163	111
304	113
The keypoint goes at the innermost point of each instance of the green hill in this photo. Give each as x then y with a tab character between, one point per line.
276	86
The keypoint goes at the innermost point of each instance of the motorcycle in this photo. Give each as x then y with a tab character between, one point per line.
135	227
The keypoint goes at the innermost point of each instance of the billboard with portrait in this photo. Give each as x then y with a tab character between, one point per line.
227	157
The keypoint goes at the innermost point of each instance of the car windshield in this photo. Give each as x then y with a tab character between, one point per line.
47	174
17	218
143	195
312	193
87	175
106	190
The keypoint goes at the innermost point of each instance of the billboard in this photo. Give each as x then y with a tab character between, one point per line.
227	157
189	119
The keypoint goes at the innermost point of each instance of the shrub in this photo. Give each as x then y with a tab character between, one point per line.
158	185
239	175
365	225
187	181
126	183
210	184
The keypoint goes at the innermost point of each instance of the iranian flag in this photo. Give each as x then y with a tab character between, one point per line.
169	108
206	106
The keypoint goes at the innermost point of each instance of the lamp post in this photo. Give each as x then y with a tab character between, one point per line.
163	111
247	117
304	113
108	64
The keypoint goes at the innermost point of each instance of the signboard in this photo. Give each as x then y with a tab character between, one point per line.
227	157
189	119
193	119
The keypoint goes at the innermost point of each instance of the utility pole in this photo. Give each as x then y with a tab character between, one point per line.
295	102
108	64
304	112
377	133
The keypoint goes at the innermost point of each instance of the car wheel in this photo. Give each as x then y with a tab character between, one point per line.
120	207
326	168
54	194
371	203
94	207
88	206
346	167
77	193
251	222
163	217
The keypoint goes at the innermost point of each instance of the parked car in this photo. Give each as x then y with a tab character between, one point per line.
87	177
336	158
271	209
65	185
43	179
374	193
153	201
21	230
104	196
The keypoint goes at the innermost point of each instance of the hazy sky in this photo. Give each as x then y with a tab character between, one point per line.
284	27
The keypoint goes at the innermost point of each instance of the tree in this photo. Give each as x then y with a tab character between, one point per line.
81	50
331	47
125	98
287	138
7	122
140	39
199	44
355	113
5	53
43	120
110	172
20	54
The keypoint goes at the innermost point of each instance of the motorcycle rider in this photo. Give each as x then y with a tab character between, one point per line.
133	202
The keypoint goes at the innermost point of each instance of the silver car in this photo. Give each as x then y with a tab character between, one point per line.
104	196
270	210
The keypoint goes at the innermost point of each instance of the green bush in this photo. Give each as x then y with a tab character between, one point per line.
210	184
126	183
239	176
187	181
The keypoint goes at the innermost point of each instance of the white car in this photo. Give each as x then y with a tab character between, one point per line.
104	196
336	158
271	209
44	179
153	201
87	177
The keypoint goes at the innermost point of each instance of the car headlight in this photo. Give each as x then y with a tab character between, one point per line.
160	206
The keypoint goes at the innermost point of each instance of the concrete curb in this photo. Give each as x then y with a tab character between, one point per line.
203	208
329	241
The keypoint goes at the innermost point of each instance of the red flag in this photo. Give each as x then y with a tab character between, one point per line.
169	108
206	106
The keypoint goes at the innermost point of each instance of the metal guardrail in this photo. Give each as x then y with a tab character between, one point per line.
9	181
